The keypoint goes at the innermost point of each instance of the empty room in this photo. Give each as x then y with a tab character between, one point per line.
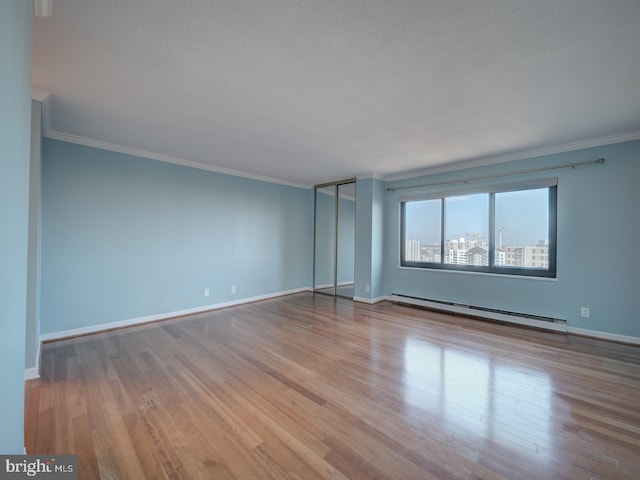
320	239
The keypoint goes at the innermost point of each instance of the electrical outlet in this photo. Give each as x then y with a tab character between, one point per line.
584	312
367	288
206	292
233	290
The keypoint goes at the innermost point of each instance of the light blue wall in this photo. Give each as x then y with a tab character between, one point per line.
364	203
33	272
598	228
16	23
126	237
377	238
369	238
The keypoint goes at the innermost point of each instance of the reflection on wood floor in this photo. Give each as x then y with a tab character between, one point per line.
309	387
347	291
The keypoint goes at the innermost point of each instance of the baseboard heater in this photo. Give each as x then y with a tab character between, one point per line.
536	321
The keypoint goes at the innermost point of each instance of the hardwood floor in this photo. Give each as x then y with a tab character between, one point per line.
307	387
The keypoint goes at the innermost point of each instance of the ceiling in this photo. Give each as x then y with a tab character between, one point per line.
309	91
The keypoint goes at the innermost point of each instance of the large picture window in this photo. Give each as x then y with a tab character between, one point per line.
507	229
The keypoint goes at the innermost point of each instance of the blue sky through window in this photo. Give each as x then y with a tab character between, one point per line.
523	216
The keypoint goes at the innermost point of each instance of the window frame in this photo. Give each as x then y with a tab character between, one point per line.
551	272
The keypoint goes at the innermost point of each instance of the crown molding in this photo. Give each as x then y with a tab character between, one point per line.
374	176
42	8
45	97
136	152
522	155
39	95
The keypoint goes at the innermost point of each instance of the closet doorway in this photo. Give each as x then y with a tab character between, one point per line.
335	238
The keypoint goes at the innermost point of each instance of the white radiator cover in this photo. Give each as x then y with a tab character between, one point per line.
553	324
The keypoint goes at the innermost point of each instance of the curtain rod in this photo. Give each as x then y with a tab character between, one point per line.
599	161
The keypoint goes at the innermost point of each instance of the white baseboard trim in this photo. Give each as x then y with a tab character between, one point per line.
31	373
585	332
45	337
371	301
34	372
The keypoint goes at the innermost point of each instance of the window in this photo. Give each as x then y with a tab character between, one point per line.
466	229
423	231
508	229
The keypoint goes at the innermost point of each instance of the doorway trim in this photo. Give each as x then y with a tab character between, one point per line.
336	185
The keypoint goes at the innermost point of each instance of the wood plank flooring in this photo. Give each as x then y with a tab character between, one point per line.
305	387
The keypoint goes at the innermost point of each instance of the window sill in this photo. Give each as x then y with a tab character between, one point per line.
484	274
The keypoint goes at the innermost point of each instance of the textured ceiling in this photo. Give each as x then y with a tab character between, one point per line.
312	91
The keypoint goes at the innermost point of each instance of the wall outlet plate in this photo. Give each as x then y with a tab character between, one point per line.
584	312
